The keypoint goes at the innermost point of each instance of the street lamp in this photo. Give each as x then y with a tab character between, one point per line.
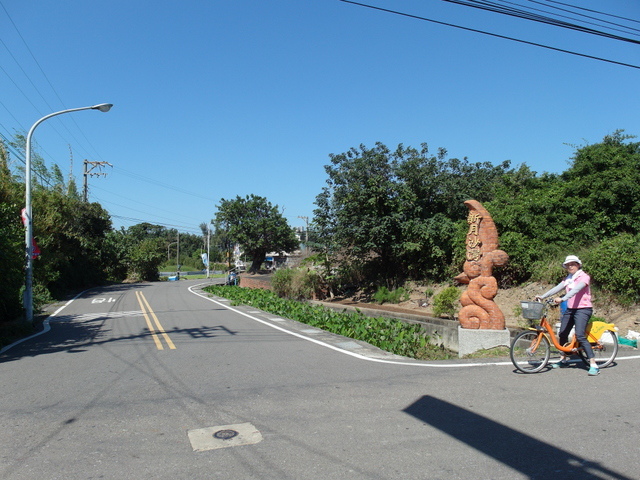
28	290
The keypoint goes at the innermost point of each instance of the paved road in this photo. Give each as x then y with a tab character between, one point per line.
139	381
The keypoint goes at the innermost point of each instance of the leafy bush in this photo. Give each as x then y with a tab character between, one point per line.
281	282
446	302
11	258
41	297
391	335
614	264
296	283
384	295
145	258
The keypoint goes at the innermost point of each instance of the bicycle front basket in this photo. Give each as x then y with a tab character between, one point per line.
532	310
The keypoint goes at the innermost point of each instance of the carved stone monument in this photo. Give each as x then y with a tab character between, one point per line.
479	311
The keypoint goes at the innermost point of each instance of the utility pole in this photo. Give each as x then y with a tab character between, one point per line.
208	249
70	182
88	173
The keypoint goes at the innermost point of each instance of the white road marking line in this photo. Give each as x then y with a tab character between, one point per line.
416	363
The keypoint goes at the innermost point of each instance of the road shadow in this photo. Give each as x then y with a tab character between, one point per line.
76	333
519	451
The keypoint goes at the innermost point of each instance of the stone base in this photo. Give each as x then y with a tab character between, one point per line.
472	340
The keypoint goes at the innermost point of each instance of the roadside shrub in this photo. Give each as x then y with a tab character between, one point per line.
11	258
281	282
41	297
522	252
144	260
384	295
296	283
615	265
446	302
391	335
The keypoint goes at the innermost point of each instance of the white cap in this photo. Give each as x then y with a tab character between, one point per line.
571	258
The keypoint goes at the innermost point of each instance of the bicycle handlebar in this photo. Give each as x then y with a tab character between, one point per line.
549	301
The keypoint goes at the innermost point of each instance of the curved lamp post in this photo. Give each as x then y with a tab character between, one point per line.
28	291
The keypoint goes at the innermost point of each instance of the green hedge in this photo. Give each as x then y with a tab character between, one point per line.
387	334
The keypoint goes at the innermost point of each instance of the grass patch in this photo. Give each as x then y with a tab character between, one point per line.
494	352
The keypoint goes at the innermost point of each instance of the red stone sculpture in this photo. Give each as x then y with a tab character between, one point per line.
479	311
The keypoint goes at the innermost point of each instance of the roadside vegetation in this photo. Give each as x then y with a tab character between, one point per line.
388	216
385	217
393	336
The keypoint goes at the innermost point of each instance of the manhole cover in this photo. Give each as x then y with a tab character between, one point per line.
225	434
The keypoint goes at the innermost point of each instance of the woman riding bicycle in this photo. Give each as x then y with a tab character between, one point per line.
579	310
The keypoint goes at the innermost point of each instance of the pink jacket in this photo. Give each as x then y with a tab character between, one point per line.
582	299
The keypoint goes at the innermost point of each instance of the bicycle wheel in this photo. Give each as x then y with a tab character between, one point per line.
605	350
530	352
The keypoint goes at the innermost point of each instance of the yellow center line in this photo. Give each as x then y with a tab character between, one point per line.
143	302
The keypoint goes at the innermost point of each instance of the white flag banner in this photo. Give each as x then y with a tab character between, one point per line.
205	259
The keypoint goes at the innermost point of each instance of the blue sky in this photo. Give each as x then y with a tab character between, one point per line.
214	99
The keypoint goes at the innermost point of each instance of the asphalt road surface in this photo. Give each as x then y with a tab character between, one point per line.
160	381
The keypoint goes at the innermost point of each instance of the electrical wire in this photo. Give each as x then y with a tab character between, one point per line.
72	119
137	176
593	11
513	12
139	220
417	17
583	15
137	202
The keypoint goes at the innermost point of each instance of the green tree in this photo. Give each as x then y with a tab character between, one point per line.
257	226
115	252
71	235
602	189
11	243
397	213
359	211
41	174
615	265
597	198
144	258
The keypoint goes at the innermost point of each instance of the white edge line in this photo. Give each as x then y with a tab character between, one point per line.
341	350
45	325
356	355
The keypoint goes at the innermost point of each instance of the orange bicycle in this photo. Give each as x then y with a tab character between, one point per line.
531	349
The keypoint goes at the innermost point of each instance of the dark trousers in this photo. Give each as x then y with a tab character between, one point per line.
578	317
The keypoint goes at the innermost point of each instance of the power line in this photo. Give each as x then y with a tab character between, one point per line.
159	183
514	12
132	209
72	119
139	220
593	11
140	203
582	15
490	34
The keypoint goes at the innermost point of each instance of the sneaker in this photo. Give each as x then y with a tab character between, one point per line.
593	371
560	364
